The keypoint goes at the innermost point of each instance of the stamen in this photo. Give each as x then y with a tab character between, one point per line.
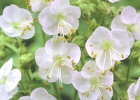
122	55
68	57
88	67
91	45
73	63
108	88
104	72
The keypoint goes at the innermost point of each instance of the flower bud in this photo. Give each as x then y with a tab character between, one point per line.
22	50
93	8
135	54
3	54
136	45
79	40
104	7
26	59
92	25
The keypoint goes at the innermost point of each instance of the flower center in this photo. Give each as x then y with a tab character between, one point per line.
95	82
131	28
16	25
58	60
106	45
46	0
59	17
4	78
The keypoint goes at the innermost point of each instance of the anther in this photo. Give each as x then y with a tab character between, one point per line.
61	87
92	52
94	56
68	57
91	45
104	72
88	67
108	88
48	77
87	95
122	55
112	68
73	63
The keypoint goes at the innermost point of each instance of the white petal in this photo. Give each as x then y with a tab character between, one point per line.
136	33
52	47
38	6
43	73
71	53
67	74
80	83
41	94
104	60
25	98
6	26
46	17
28	33
12	80
12	13
93	95
121	34
100	35
106	93
113	1
130	92
137	87
42	58
88	69
51	30
107	79
117	23
128	15
57	4
6	68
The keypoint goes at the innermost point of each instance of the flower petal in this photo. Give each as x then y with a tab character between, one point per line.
88	69
80	83
117	23
6	68
71	53
104	60
67	74
12	80
42	59
92	96
137	87
128	15
12	13
46	17
25	98
130	92
41	94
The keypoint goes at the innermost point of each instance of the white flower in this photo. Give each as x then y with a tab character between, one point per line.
4	95
134	91
113	1
56	60
60	18
39	5
108	46
92	83
129	20
8	80
38	94
17	22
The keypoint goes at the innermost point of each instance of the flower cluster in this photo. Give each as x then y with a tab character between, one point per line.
89	61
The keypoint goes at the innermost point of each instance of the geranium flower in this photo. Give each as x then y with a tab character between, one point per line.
128	20
134	91
107	46
38	94
9	78
39	5
55	61
92	83
60	18
17	22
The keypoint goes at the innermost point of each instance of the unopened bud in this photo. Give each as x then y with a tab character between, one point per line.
26	59
79	40
93	8
22	50
135	54
104	7
136	45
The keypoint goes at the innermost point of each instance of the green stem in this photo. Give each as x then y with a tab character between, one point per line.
11	47
102	20
43	38
19	42
57	91
75	95
128	72
22	85
29	75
